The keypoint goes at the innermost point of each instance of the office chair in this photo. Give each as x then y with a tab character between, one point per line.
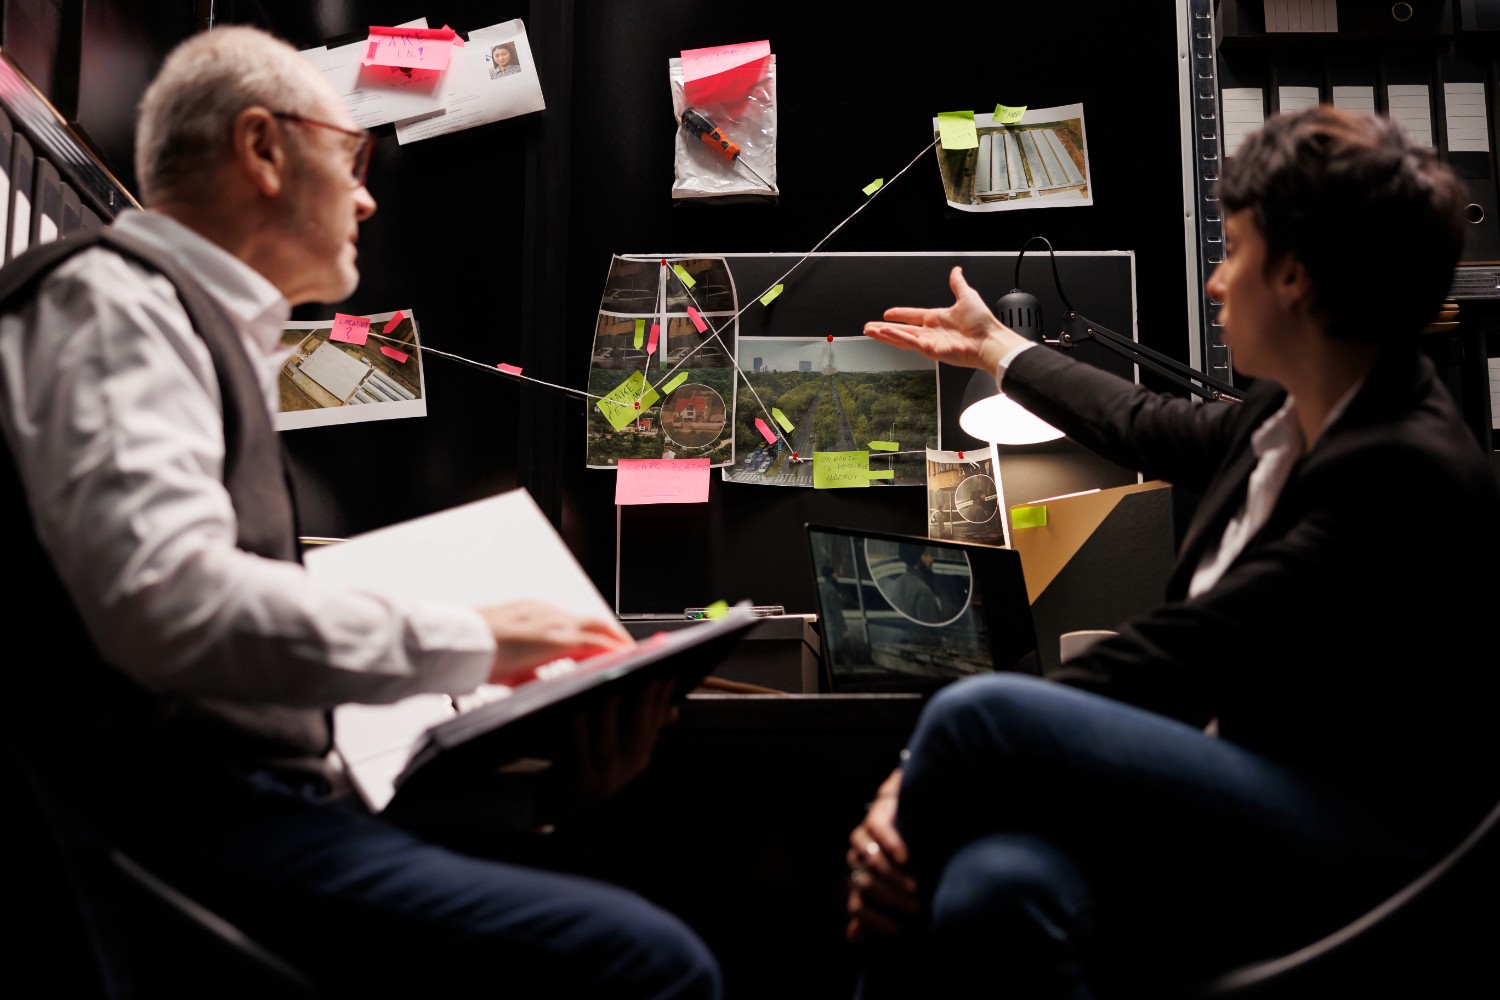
1433	938
95	923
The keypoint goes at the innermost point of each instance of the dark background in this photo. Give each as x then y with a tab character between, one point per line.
499	238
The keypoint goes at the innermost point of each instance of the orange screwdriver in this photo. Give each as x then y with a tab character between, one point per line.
714	138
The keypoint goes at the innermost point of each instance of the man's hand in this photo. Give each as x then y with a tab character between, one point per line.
882	896
530	633
966	333
612	742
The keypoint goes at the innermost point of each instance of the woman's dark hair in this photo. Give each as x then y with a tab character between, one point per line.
1376	219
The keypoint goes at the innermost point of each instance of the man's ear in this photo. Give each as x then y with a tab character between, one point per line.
259	150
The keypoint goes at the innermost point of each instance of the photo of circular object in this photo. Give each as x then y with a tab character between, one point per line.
930	585
693	415
977	499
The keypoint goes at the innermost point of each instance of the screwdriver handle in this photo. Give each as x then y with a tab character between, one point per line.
713	137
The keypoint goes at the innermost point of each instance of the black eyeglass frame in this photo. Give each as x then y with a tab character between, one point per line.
362	155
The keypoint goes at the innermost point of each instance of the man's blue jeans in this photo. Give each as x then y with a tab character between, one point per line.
1065	842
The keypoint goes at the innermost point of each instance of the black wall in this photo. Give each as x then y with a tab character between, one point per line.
499	238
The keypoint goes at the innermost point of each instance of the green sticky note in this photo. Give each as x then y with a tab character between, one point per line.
837	470
681	272
718	609
885	445
883	474
619	407
781	419
1008	116
1034	516
767	298
677	380
956	130
640	333
873	186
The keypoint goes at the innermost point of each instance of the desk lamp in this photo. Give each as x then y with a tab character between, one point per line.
996	418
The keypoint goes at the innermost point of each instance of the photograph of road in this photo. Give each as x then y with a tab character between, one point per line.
838	394
963	497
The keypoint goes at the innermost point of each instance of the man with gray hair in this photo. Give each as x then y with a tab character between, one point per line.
138	370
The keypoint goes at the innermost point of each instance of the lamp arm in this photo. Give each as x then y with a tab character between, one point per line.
1212	389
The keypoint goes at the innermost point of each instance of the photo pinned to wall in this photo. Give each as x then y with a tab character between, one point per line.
662	363
351	369
964	498
1041	161
832	394
503	60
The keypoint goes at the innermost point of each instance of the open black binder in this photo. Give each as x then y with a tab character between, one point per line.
534	720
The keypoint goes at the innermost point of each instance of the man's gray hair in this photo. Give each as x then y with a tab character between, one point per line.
183	122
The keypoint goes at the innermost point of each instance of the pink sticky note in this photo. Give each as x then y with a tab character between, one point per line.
661	480
723	72
697	320
394	321
509	369
391	352
765	431
410	48
350	329
651	342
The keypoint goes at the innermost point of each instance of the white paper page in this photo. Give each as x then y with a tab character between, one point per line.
375	95
491	551
472	96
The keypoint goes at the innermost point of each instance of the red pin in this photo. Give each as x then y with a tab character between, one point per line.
960	456
637	404
796	457
830	338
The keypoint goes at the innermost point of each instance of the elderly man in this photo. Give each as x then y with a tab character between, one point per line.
139	368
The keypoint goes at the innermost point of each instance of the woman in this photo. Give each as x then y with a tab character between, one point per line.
503	61
1058	836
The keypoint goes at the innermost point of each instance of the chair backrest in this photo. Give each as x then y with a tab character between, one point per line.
1437	933
97	923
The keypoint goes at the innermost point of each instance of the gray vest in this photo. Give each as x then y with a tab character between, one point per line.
108	711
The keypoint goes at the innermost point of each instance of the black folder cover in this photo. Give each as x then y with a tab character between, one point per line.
534	721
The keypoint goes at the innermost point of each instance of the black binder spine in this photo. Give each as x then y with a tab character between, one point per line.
1464	139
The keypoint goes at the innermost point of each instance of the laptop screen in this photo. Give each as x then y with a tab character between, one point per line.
909	613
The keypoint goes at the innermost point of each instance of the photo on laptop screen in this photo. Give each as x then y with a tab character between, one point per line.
908	613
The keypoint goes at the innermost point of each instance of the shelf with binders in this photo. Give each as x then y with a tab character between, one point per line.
1334	21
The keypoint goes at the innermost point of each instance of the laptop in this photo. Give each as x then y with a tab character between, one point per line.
907	613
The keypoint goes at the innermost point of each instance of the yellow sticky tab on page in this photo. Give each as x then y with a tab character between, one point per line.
883	474
884	445
781	419
640	333
681	272
1008	116
1032	516
627	401
770	296
836	470
676	380
873	186
956	130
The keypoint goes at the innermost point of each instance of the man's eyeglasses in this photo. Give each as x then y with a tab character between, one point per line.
362	152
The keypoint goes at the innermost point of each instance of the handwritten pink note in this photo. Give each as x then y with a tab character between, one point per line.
765	431
723	72
410	48
697	320
391	352
661	480
350	329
